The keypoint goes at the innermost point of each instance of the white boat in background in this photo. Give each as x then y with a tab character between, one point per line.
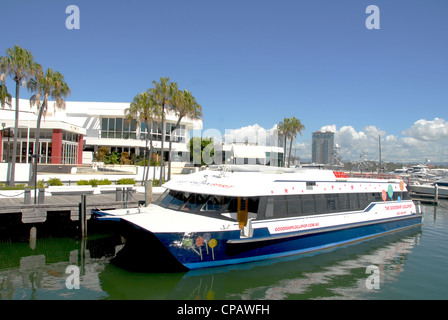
430	188
236	214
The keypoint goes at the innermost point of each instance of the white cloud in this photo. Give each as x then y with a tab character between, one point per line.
425	139
425	130
331	128
252	134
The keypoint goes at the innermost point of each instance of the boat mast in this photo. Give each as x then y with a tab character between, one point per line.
379	143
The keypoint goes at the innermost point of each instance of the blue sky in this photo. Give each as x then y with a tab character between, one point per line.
258	61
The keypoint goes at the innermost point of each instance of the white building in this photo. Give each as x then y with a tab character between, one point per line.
83	127
241	153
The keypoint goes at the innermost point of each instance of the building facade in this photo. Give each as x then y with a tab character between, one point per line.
67	136
322	147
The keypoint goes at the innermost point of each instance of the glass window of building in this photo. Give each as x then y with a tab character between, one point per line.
118	128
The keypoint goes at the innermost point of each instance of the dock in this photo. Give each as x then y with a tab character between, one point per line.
428	197
62	211
38	212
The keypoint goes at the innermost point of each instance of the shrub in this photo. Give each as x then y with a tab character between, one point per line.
113	158
104	182
94	182
155	182
126	181
102	153
54	182
4	186
125	158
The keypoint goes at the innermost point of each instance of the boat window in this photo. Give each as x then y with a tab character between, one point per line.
212	204
294	206
363	201
172	199
310	185
280	207
344	203
232	207
216	204
321	203
270	208
332	202
396	195
194	202
353	199
203	203
273	207
308	204
374	197
253	204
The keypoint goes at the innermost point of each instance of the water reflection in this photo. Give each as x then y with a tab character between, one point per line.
340	273
336	274
37	271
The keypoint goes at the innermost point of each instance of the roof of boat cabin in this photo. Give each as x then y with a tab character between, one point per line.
253	180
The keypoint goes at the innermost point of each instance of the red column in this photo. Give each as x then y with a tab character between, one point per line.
80	147
56	149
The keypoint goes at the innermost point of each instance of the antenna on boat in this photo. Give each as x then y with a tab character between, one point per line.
223	170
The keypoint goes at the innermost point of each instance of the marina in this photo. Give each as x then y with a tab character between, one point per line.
410	261
276	157
412	265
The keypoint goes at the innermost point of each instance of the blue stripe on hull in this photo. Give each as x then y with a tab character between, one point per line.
199	256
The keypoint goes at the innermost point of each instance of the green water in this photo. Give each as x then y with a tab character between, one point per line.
412	264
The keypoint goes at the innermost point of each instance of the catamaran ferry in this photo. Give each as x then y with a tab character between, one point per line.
235	214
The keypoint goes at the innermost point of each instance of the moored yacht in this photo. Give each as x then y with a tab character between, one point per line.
236	214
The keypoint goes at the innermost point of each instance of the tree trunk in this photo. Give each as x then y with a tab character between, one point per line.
37	147
169	149
284	153
290	149
150	150
145	176
161	147
11	177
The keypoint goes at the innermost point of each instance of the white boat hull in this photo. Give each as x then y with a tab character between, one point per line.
428	189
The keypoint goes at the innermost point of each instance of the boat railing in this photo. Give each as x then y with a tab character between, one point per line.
371	175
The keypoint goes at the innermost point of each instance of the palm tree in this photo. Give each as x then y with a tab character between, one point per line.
20	66
295	126
144	109
5	97
163	93
288	129
183	104
50	84
283	131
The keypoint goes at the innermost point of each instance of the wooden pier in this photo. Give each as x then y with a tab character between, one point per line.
62	210
38	212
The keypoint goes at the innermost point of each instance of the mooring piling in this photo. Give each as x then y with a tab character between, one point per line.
83	215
